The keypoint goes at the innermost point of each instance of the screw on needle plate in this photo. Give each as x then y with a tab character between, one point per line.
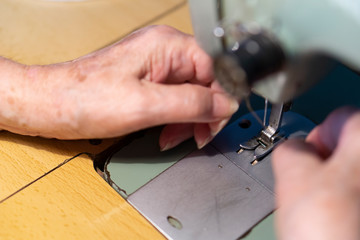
254	162
240	150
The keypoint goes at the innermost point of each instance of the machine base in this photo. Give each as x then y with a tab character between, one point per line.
215	193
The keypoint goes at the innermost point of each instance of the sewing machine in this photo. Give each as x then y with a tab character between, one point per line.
277	49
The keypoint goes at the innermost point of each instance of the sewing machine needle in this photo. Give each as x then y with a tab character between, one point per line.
265	111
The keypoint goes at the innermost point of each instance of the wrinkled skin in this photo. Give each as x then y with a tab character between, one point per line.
318	181
155	76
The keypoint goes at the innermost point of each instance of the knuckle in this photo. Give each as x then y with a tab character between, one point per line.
162	29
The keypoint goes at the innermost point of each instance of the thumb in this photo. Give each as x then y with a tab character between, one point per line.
183	103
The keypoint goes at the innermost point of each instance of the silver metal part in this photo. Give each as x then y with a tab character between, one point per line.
265	141
274	122
266	105
215	193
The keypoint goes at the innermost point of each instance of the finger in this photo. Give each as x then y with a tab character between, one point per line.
315	138
347	151
202	134
203	63
325	137
215	85
294	156
181	61
185	103
203	70
337	139
174	134
293	162
216	127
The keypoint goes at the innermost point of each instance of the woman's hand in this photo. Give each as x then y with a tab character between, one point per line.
155	76
318	181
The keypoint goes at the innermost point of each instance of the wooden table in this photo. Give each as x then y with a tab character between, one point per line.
48	189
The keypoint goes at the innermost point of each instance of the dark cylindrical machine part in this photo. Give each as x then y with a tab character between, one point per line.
249	61
259	56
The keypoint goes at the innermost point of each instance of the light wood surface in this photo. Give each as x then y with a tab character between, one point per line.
179	19
72	202
69	200
24	159
42	32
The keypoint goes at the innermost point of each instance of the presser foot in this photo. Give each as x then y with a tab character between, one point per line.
268	138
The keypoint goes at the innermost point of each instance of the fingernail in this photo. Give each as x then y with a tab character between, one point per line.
170	145
202	144
234	106
166	147
224	106
218	128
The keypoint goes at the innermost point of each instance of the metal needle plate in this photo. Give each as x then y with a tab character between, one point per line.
215	193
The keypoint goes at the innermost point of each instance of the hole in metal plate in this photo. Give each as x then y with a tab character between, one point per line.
174	222
245	123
